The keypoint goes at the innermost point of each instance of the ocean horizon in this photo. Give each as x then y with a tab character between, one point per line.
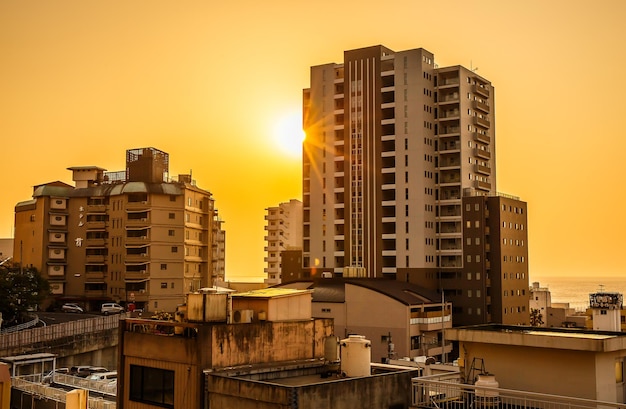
576	290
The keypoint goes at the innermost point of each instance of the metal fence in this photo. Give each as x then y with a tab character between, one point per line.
50	333
31	384
447	392
34	321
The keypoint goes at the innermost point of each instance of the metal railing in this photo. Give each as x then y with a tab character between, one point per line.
33	322
447	392
49	333
31	384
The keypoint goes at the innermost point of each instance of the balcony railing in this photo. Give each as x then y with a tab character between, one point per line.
447	391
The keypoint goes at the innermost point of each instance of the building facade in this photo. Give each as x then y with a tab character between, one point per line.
394	144
590	363
284	232
131	236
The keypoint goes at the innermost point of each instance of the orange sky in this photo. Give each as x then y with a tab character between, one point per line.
82	81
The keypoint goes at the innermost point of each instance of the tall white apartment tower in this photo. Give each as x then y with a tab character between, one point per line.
393	143
284	232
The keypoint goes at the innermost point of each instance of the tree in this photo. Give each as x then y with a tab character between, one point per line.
20	291
536	318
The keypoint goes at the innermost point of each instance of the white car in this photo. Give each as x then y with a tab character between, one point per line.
111	308
70	307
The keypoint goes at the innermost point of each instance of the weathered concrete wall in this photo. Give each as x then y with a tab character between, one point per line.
267	342
391	390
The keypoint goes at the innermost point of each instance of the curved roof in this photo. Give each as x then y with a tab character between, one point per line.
333	290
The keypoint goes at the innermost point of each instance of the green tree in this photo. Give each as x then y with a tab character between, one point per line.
536	318
21	289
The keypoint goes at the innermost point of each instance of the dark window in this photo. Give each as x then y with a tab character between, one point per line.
152	385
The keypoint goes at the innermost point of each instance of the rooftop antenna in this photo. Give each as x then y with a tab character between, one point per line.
601	288
472	69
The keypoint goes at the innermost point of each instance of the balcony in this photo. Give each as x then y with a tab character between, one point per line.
96	208
482	185
447	390
98	242
95	275
483	122
448	115
95	258
137	239
144	221
485	170
449	130
481	106
482	153
481	90
450	98
137	258
447	147
430	321
479	137
448	83
141	205
95	224
136	275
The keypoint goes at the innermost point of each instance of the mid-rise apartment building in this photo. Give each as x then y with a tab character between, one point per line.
284	232
130	236
394	145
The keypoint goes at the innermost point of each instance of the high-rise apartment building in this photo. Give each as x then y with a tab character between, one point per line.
284	232
394	144
130	236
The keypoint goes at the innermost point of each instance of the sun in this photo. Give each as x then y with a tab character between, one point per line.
288	133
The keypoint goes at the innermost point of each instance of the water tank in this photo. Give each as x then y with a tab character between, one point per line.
487	398
356	355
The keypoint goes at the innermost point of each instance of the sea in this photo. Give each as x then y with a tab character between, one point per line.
576	290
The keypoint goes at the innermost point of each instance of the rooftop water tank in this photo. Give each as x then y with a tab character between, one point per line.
356	355
487	398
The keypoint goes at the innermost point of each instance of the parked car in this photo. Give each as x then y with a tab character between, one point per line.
103	376
84	371
71	307
48	378
111	308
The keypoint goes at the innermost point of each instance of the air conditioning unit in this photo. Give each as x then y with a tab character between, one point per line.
142	291
243	316
142	271
144	237
144	219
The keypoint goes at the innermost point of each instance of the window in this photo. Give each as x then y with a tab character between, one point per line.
163	285
174	249
170	232
152	386
172	216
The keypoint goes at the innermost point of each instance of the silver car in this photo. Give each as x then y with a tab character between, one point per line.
70	307
111	308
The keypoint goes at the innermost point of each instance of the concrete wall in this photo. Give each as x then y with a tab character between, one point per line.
374	315
390	390
585	374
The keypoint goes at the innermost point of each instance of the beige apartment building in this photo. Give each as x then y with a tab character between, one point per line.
394	145
133	236
284	232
